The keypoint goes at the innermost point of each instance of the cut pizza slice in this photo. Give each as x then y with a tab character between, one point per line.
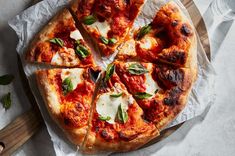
107	21
60	43
169	38
68	95
117	124
160	90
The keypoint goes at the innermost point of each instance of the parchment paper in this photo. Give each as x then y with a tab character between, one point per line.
30	21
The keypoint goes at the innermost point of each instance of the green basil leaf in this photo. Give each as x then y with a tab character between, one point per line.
58	41
137	69
122	114
109	72
143	31
116	95
6	79
107	118
156	91
88	20
82	51
104	40
67	86
112	41
78	41
142	95
6	101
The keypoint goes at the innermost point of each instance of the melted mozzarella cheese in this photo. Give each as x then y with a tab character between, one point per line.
150	84
76	35
66	56
102	27
74	74
148	42
108	106
56	59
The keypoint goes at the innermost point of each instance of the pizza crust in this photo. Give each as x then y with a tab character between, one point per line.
94	145
175	111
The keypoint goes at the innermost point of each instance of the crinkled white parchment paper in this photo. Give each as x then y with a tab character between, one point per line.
30	21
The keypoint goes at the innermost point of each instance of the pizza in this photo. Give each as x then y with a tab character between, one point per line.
160	90
107	21
121	106
169	38
68	96
60	43
116	123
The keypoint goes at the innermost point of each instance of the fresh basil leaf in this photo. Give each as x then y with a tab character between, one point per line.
109	72
116	95
82	51
88	20
104	40
143	31
137	69
78	41
142	95
67	85
6	79
6	101
122	114
102	118
156	91
58	41
112	41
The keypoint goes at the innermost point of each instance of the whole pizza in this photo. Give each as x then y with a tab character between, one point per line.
123	105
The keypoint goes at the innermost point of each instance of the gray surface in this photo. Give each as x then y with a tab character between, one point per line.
215	135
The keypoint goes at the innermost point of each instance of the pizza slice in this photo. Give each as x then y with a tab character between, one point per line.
107	21
60	43
117	124
169	38
68	95
160	90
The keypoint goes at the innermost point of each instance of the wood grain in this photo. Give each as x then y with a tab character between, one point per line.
18	132
22	128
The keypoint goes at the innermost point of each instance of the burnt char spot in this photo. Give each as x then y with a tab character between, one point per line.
173	97
174	23
168	101
127	138
174	76
171	77
66	121
175	57
175	92
104	134
185	30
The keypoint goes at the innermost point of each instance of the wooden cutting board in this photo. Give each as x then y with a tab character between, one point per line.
26	125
